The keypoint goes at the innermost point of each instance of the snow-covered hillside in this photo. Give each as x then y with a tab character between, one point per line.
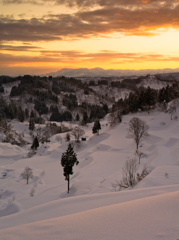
93	209
152	82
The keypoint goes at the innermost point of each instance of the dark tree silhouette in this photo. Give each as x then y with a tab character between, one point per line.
96	127
138	129
31	124
35	143
68	160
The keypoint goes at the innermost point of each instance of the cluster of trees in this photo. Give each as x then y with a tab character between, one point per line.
40	107
146	98
43	89
60	117
10	135
70	101
45	95
1	88
61	85
11	111
91	111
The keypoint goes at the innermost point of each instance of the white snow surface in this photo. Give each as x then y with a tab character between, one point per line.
93	209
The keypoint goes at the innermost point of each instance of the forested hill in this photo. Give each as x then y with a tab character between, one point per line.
84	100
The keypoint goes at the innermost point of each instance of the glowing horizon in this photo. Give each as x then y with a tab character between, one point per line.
41	36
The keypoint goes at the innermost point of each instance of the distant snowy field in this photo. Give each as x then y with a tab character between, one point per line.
93	209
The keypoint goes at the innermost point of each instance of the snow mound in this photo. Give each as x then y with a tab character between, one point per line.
6	149
121	221
161	176
11	208
9	153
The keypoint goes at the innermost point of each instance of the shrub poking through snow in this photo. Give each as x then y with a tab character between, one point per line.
130	175
143	174
27	174
32	192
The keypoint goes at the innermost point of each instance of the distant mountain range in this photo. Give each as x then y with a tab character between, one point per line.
100	72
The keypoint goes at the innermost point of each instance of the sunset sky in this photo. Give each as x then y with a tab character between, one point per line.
41	36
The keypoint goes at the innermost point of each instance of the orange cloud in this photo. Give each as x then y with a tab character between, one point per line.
67	57
144	18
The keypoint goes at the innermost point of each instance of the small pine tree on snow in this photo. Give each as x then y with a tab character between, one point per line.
35	143
96	127
68	160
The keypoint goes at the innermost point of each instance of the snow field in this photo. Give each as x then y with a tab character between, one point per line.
92	209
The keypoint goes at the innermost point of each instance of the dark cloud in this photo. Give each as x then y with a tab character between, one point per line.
100	3
35	2
114	18
19	48
118	3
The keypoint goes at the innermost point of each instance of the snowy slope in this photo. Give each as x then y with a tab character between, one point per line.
92	209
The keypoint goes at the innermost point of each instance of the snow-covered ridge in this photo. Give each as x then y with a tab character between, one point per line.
99	72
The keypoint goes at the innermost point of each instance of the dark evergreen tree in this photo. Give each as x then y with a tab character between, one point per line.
77	117
56	117
67	116
32	114
85	118
96	127
21	115
31	124
9	112
105	108
26	112
1	89
68	160
35	143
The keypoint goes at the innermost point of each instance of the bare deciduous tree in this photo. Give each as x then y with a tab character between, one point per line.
114	118
27	174
4	126
140	155
138	129
77	132
129	174
172	108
